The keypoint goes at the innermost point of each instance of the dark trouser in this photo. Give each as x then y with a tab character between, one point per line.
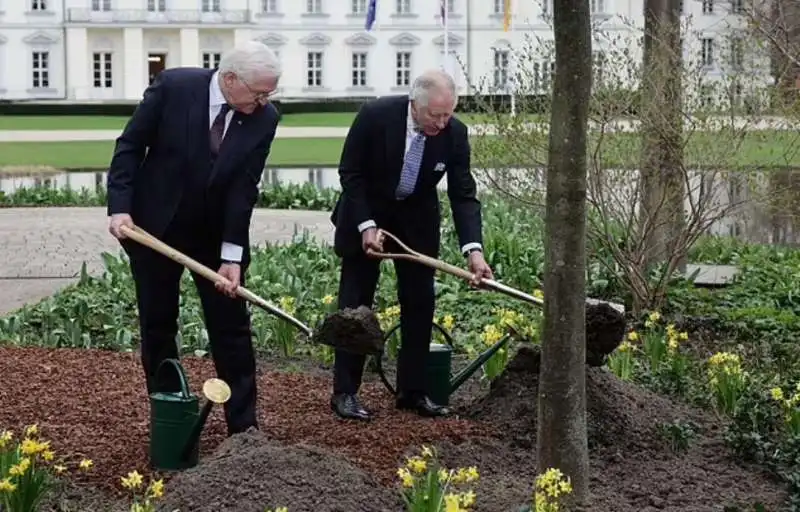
227	321
359	278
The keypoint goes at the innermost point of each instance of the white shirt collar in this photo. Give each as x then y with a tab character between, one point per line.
215	97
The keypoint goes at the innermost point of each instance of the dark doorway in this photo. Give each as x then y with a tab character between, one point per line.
156	62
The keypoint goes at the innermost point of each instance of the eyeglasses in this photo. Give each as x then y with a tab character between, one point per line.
259	96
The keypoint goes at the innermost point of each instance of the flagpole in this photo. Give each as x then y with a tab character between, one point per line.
513	63
445	19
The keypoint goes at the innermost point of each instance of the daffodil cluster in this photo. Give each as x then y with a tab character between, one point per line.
726	379
144	502
388	317
26	470
550	489
790	407
428	486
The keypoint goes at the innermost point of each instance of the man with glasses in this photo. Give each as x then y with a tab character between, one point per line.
186	168
397	151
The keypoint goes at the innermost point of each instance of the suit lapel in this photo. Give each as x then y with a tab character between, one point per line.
396	142
198	122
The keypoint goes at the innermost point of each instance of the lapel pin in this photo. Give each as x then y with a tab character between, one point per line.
238	122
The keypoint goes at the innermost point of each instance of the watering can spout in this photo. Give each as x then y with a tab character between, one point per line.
216	391
470	369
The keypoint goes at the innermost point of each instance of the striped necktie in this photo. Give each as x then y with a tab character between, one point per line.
408	177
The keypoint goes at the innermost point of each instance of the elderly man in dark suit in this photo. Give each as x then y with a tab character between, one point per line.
395	154
186	168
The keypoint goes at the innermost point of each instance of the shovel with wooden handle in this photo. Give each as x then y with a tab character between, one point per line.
412	255
357	331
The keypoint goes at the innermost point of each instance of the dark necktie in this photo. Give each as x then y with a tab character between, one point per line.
218	128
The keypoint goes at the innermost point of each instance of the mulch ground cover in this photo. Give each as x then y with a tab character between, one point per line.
93	404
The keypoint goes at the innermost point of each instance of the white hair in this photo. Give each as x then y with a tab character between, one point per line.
249	60
431	82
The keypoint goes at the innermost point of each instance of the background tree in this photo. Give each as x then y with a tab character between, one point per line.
562	437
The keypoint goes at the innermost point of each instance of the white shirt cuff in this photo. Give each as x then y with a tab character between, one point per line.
231	252
470	246
366	224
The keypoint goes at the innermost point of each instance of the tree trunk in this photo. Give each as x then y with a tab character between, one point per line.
562	439
662	221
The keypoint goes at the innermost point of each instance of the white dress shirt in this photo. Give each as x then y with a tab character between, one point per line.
230	252
411	132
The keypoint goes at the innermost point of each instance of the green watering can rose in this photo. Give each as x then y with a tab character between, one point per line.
176	419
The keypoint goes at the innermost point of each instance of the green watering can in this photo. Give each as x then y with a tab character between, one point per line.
441	383
176	420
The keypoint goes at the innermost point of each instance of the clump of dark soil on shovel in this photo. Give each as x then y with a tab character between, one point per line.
251	473
633	468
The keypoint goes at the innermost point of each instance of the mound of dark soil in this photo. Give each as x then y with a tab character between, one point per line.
250	472
632	466
619	414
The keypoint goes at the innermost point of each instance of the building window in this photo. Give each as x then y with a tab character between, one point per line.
359	69
597	6
101	68
41	70
358	6
211	60
403	7
499	5
38	5
737	6
314	66
101	5
156	5
211	6
708	6
543	72
707	52
314	6
269	6
403	73
501	69
737	53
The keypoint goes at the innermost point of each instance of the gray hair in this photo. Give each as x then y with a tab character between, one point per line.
250	59
431	82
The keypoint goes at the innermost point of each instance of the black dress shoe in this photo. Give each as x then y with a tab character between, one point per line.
347	407
422	405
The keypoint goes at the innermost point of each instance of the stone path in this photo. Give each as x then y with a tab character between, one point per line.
43	249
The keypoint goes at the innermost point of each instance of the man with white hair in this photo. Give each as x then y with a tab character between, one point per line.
396	152
186	168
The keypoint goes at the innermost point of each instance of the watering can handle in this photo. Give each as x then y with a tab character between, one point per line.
179	370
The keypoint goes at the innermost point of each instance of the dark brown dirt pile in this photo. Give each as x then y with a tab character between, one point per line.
250	472
632	466
354	330
605	329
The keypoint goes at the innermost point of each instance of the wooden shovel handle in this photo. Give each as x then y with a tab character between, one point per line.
143	237
412	255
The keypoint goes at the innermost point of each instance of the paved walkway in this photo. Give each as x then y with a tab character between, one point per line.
43	248
329	132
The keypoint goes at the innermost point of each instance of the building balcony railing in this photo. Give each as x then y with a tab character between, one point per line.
169	16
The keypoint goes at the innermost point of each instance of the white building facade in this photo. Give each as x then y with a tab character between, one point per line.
109	50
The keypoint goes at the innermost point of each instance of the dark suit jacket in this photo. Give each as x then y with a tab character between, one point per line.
168	137
370	168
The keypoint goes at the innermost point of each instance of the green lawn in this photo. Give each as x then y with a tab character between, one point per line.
97	154
117	122
705	149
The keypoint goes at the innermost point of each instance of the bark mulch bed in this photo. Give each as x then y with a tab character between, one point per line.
92	404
